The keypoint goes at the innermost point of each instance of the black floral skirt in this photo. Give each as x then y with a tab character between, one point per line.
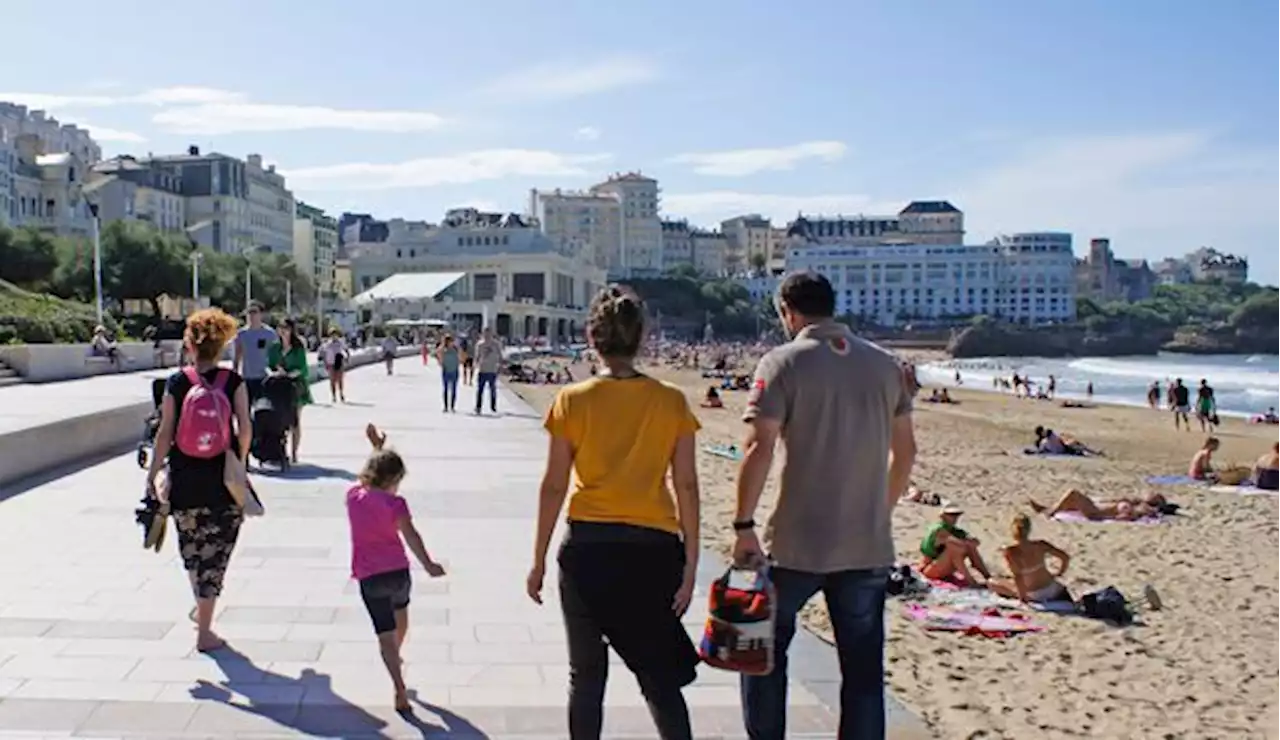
206	538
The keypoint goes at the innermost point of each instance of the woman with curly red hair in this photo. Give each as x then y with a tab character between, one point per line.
205	513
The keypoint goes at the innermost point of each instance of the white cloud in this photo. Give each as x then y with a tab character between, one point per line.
189	109
102	133
741	162
718	205
468	167
156	96
564	80
226	118
587	133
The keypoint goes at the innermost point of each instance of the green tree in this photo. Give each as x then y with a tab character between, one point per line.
140	262
1261	311
28	257
758	262
73	279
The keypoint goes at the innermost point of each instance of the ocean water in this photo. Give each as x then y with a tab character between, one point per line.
1243	384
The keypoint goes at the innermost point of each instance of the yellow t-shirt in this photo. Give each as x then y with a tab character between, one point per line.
623	432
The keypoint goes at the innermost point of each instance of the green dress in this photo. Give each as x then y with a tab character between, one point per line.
293	361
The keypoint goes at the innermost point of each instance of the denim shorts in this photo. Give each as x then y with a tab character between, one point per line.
385	594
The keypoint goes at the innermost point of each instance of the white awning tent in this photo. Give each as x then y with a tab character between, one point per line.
409	286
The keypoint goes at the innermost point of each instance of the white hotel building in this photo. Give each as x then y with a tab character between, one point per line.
1027	278
514	278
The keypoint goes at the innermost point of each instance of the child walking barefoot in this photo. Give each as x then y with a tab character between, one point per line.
381	526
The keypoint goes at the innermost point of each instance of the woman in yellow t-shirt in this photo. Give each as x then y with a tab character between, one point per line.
630	555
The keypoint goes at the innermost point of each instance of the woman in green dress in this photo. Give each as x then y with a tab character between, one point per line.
289	357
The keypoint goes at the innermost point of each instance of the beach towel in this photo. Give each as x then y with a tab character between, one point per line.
986	623
1173	480
1078	518
1054	455
726	451
1047	607
1244	489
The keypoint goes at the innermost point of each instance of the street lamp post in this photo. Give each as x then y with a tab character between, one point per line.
97	259
288	297
196	259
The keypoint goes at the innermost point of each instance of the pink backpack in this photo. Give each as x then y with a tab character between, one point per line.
204	426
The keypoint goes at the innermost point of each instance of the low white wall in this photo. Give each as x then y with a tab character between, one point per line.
39	449
43	363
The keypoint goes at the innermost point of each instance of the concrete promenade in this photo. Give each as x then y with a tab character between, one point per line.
95	642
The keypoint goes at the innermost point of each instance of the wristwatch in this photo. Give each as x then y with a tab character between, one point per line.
744	525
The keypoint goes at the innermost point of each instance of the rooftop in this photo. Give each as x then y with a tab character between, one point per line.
410	286
929	206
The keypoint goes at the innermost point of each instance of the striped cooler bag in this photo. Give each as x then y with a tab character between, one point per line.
740	616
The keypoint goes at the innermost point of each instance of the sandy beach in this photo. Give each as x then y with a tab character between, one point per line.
1203	667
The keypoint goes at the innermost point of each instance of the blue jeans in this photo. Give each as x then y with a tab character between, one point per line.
491	380
855	600
450	383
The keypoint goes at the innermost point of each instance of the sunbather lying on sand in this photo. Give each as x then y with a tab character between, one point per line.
1122	509
1033	581
918	496
949	551
1049	442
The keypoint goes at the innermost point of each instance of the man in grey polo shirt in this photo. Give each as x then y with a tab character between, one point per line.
252	343
488	363
842	409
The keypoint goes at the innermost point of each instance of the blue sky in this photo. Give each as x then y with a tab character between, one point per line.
1150	122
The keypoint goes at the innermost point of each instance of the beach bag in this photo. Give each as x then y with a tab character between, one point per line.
739	634
1107	604
204	427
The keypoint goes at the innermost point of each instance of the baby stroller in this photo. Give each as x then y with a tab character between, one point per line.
272	414
151	425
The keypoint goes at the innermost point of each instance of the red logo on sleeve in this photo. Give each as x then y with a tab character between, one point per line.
757	390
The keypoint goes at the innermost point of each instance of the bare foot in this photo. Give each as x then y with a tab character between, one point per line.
1037	507
402	702
376	439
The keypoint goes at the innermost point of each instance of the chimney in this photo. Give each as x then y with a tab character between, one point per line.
193	150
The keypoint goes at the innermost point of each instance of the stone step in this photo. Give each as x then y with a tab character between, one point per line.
7	380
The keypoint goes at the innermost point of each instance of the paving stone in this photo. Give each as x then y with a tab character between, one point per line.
99	626
111	630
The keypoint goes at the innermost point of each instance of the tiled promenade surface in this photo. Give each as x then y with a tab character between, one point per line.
95	642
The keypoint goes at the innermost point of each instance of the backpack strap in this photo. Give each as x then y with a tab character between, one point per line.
193	376
220	380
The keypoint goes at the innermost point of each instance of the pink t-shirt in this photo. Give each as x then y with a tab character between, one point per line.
375	536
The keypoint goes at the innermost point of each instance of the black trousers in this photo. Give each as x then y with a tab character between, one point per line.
617	585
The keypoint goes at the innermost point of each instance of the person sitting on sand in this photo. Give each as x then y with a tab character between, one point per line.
712	399
1266	471
915	495
1202	463
1121	510
1033	581
1049	442
949	551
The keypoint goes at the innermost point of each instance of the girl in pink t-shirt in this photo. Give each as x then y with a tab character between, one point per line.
379	520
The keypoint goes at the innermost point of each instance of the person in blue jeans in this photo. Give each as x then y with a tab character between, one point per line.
489	362
450	359
842	408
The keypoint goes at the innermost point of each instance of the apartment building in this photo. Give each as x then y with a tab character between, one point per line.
750	241
580	223
1208	265
677	244
1102	277
920	222
315	247
1028	281
215	189
270	207
515	276
709	251
55	138
125	189
640	252
42	170
47	190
